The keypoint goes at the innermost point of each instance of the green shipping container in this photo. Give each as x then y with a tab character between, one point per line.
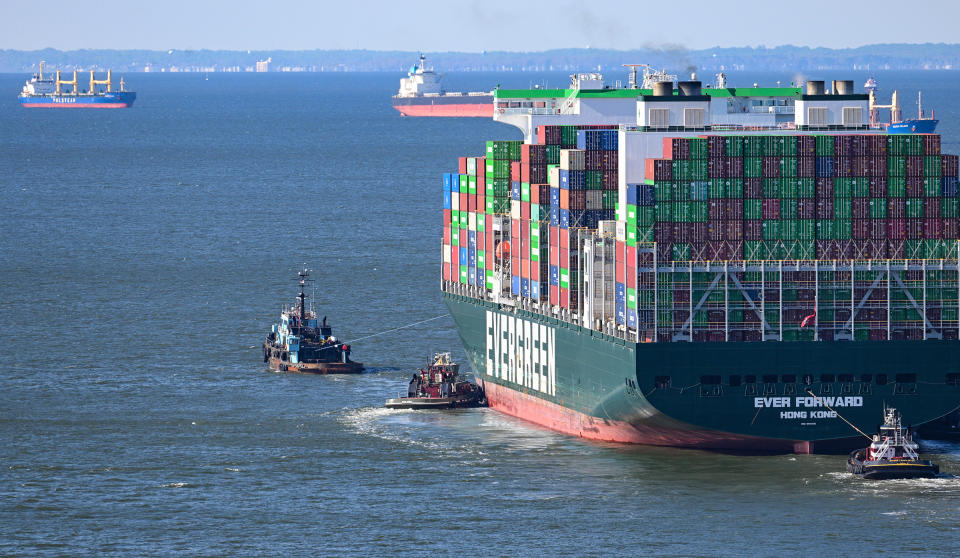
878	208
663	190
733	146
914	208
788	165
806	229
824	146
896	187
752	167
771	187
860	187
753	146
755	250
752	209
553	154
932	187
842	188
806	187
717	188
788	229
842	229
734	187
826	229
681	252
949	207
700	212
896	166
788	208
931	165
771	230
842	209
788	187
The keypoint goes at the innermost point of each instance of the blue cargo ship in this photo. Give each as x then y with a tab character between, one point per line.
40	92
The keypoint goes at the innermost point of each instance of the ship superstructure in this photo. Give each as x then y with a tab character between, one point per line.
713	267
41	92
421	93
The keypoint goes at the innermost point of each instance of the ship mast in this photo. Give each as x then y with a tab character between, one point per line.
303	296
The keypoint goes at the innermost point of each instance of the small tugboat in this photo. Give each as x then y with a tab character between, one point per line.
892	455
299	343
438	386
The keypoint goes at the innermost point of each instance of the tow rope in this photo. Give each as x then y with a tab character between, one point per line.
397	328
824	403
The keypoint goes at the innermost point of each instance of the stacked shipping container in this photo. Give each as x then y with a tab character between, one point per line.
752	199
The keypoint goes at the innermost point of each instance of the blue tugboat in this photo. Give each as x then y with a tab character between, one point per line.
302	343
918	125
40	92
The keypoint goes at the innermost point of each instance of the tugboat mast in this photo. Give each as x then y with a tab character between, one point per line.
303	296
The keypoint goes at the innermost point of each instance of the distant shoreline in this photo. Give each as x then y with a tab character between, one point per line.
673	58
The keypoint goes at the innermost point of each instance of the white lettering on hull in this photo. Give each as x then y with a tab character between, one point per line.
521	351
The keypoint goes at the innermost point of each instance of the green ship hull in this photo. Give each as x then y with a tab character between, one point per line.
800	396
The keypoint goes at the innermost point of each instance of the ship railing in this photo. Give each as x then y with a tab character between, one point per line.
529	110
773	109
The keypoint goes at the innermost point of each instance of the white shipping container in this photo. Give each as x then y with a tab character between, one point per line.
572	159
554	178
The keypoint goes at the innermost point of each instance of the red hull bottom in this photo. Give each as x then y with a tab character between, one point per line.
75	105
574	423
469	110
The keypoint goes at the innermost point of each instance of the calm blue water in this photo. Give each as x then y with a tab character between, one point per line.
144	254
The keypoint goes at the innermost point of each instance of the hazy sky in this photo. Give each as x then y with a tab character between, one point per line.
436	25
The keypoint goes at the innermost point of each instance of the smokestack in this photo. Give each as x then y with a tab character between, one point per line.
815	87
663	88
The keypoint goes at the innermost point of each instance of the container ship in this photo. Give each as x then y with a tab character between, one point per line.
712	267
421	94
40	92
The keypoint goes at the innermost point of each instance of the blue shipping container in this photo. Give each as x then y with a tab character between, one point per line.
555	197
564	218
631	317
949	185
633	193
525	287
824	167
464	254
646	196
447	199
472	276
515	191
535	290
448	182
555	275
472	240
621	292
621	312
554	215
516	285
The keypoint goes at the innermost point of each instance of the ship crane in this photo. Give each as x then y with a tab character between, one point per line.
72	82
108	82
650	76
894	107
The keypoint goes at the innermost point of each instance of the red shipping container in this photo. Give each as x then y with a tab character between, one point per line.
463	165
824	188
896	228
716	230
716	146
878	229
462	236
525	269
514	228
932	228
878	187
824	208
524	172
806	167
578	199
734	230
564	258
771	167
621	252
715	210
861	208
806	208
554	295
525	211
631	257
515	171
535	272
861	228
446	268
455	261
472	203
752	188
564	199
698	232
914	228
564	298
610	179
716	167
771	208
931	208
914	165
931	144
951	228
446	217
896	208
564	236
676	148
753	229
806	146
949	165
734	167
663	232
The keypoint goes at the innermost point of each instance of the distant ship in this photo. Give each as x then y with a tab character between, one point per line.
421	94
40	92
918	125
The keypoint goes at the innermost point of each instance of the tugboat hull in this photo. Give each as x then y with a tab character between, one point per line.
316	367
432	402
882	470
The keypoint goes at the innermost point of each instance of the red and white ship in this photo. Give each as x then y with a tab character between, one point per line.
421	94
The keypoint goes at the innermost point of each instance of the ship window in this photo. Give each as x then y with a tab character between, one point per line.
734	381
693	117
866	377
852	116
662	382
845	378
711	380
827	378
541	104
789	379
817	116
750	379
658	118
953	379
906	378
770	378
881	379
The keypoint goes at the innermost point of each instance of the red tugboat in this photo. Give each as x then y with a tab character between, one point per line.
438	386
299	343
891	455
